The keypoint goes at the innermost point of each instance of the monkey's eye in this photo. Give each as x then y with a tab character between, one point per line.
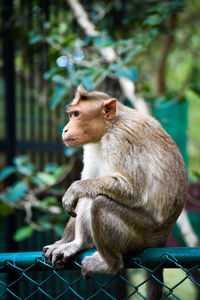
76	113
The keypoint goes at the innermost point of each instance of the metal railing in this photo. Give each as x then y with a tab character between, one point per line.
18	281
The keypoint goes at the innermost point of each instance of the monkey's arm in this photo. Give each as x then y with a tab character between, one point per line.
116	186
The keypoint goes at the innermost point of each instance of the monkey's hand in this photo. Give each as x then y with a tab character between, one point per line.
71	197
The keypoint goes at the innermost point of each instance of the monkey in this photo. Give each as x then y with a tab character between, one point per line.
133	186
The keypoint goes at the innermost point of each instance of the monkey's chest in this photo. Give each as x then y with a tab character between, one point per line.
95	163
95	169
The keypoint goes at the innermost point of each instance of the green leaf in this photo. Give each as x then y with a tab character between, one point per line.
87	82
89	72
17	191
26	170
102	41
50	73
35	38
57	191
51	168
63	27
88	39
23	165
19	160
59	172
23	233
136	50
38	181
127	42
130	73
153	20
60	92
45	222
49	201
45	178
7	172
59	79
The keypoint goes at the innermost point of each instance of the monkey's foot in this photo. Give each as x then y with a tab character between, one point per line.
48	250
95	264
63	254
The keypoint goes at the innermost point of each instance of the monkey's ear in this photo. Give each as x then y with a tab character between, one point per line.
109	109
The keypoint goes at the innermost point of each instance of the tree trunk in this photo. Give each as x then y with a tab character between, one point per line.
167	44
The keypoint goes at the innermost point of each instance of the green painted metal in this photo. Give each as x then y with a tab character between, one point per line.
173	116
151	257
69	283
187	257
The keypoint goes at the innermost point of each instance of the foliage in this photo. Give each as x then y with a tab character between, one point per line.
75	58
38	193
135	30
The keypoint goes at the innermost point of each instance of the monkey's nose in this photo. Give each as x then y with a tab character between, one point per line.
65	130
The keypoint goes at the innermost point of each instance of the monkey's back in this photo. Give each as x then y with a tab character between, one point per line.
151	160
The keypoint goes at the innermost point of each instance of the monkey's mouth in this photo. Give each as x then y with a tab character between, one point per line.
69	140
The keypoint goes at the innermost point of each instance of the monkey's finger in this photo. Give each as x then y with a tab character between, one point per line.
56	257
48	255
85	274
72	214
69	210
44	251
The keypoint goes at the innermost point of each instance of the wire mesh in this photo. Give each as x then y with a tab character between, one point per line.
23	284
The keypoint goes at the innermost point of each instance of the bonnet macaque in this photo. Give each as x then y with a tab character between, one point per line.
132	189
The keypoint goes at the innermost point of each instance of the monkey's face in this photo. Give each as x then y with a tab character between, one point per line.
86	124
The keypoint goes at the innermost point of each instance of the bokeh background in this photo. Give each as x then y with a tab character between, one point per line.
144	53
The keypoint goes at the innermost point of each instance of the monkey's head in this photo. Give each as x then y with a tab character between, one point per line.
89	114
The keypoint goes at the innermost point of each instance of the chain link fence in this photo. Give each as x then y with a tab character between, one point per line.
18	278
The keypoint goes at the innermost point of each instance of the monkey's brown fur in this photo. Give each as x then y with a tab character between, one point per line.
133	187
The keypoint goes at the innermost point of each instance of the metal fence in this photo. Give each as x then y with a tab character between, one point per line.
27	123
25	265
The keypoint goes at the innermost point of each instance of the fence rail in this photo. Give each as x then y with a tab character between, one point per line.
23	285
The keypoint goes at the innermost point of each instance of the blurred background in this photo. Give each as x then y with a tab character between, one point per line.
144	53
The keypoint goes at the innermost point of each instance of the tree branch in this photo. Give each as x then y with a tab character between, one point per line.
109	54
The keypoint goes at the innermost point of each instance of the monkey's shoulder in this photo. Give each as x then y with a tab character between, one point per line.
140	127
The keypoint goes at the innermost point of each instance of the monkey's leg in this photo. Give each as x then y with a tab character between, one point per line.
95	264
83	236
116	230
111	236
68	236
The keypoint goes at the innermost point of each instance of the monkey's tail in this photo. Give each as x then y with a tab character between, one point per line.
154	288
